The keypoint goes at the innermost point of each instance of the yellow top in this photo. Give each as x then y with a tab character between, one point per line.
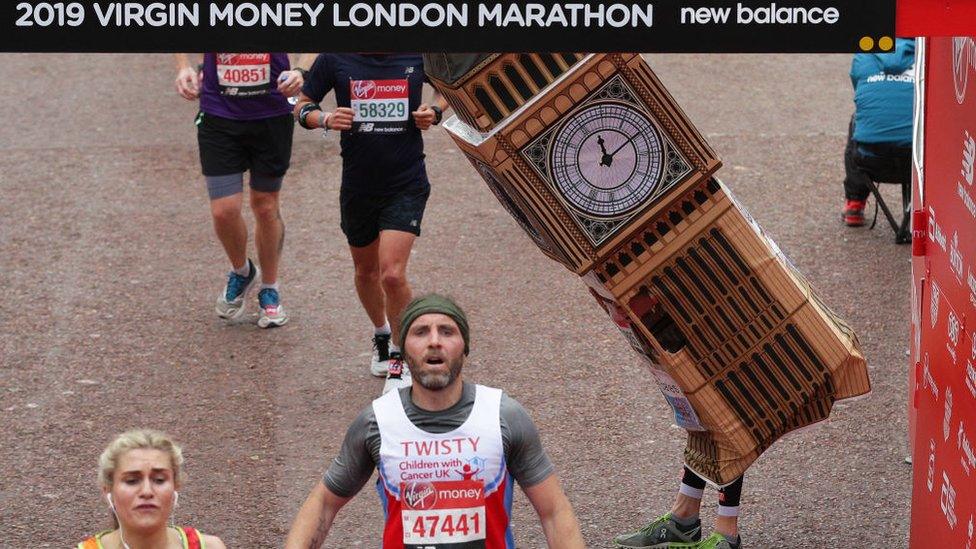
95	542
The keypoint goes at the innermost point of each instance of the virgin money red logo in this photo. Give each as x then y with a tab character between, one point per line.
364	89
419	495
243	58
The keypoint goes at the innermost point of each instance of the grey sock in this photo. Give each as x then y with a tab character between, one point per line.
685	522
735	541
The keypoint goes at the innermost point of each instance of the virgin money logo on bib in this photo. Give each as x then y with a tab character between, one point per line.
419	495
363	89
243	58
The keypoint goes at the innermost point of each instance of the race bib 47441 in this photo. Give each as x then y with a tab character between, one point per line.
380	106
244	74
444	514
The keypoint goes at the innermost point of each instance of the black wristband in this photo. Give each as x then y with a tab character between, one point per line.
304	112
438	114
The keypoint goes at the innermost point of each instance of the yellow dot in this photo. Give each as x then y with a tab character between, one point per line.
885	43
866	43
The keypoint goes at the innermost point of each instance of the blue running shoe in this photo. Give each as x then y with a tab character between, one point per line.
272	313
231	301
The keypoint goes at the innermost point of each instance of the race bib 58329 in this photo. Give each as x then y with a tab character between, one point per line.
380	106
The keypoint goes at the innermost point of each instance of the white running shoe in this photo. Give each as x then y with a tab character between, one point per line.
398	374
232	301
272	313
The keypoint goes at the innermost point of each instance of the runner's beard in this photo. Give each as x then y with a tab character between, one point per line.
435	381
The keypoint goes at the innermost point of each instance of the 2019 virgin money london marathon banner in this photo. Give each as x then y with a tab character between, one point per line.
779	26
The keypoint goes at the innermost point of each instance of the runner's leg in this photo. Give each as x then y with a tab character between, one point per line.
230	227
366	262
269	233
394	252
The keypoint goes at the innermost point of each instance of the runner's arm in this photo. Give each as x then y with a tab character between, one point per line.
556	514
425	116
315	518
295	78
318	83
187	77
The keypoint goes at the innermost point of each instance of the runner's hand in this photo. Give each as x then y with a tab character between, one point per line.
424	116
188	83
292	84
341	119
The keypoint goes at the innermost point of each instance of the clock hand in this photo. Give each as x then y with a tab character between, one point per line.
606	159
623	144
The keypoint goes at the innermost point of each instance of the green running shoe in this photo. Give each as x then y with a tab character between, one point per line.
662	533
718	541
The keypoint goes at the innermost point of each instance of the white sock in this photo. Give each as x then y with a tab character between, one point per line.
243	271
394	348
384	329
725	511
690	491
272	286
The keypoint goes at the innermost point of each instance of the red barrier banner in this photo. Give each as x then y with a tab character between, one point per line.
935	18
943	350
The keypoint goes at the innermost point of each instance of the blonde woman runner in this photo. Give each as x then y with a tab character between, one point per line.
140	474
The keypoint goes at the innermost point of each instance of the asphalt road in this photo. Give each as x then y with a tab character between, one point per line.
109	268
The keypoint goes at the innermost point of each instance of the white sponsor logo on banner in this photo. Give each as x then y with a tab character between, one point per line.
930	479
936	234
955	256
928	380
969	537
934	303
948	501
968	157
971	282
953	329
971	378
968	458
966	199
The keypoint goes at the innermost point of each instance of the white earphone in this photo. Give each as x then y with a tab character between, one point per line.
111	505
176	498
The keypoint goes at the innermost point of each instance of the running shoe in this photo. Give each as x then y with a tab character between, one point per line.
662	533
854	212
718	541
272	313
231	303
381	355
398	373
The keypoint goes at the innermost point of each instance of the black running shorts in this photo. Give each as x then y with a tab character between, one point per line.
234	146
365	215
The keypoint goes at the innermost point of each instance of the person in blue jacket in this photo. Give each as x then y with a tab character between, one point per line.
880	134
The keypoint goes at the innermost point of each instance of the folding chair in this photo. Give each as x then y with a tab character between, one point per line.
889	165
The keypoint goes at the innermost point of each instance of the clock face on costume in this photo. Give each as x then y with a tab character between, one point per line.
606	159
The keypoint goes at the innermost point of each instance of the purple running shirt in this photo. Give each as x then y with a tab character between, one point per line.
243	86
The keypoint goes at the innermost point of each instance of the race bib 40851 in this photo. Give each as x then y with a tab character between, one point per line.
244	74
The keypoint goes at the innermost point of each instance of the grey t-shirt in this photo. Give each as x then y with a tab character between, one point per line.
524	456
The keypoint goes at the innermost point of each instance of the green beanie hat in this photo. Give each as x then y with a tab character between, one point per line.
433	303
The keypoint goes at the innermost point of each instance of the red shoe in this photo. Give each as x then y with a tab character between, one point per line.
854	213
